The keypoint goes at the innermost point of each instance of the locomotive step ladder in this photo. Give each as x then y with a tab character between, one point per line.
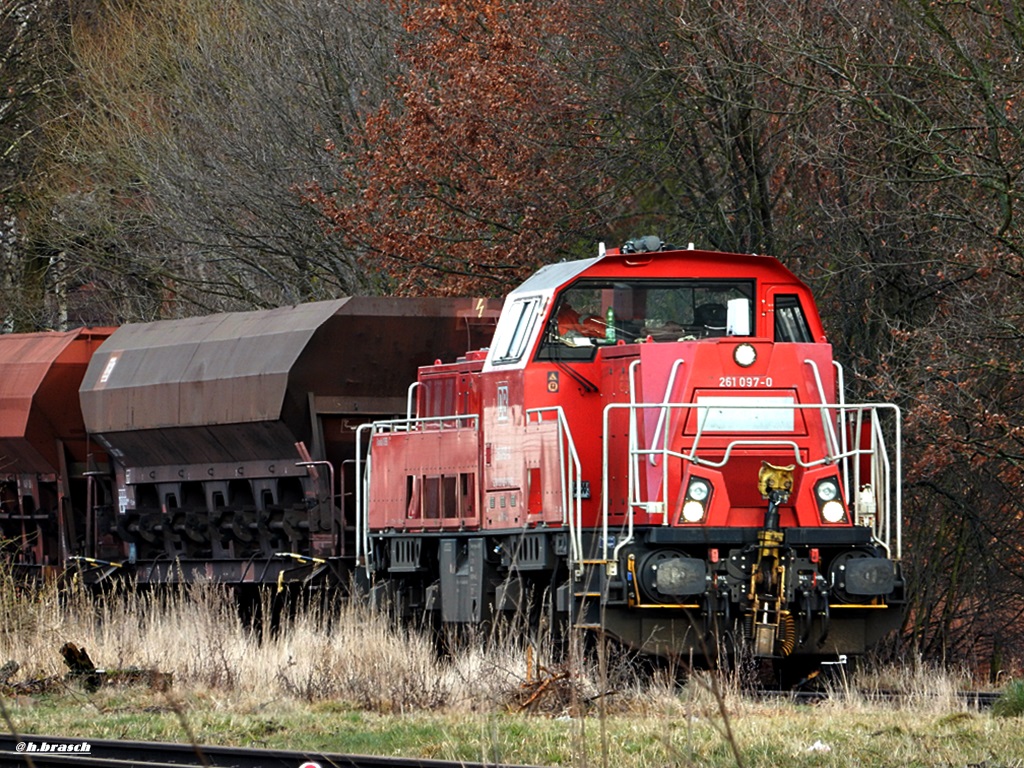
590	581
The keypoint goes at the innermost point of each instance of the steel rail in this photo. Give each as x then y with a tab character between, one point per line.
979	700
105	753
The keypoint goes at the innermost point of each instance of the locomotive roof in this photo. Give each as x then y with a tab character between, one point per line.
644	265
552	276
638	260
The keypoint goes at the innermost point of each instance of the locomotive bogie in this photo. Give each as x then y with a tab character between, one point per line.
463	579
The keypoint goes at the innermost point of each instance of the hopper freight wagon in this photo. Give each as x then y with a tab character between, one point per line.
46	479
231	437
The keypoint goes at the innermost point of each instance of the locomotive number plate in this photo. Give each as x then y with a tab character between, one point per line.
745	382
746	414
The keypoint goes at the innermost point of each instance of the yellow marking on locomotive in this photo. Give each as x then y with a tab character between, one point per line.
633	595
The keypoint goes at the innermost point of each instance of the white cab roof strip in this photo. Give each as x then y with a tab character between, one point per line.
542	285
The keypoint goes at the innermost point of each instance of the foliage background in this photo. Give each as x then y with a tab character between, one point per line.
174	157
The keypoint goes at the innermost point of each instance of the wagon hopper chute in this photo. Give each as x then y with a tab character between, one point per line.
232	435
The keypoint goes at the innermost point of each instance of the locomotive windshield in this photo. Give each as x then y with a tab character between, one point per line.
594	312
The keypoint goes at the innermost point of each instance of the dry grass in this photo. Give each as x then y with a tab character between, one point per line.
345	653
344	678
926	688
351	655
196	634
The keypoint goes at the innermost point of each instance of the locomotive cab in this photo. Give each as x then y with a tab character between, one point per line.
658	439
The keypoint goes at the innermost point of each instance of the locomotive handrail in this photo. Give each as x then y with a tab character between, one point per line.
883	456
885	471
693	458
662	415
635	453
406	425
634	473
572	513
362	508
472	421
826	422
881	467
835	454
841	393
410	394
633	468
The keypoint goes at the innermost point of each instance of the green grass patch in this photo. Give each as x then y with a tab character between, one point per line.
765	735
1011	702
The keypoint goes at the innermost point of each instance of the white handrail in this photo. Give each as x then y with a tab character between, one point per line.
362	508
664	409
826	422
634	431
569	473
886	466
841	393
604	486
409	398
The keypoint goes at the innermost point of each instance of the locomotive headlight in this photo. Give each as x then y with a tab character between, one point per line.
693	511
833	512
695	506
831	506
698	490
745	355
827	490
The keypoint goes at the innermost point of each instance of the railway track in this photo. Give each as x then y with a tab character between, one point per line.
980	700
55	752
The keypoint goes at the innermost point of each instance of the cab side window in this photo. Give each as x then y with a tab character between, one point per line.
790	321
515	330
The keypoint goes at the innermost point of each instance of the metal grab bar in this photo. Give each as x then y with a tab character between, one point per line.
664	408
362	491
569	474
885	467
826	422
409	399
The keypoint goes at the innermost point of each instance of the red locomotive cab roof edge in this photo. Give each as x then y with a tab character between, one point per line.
526	315
712	260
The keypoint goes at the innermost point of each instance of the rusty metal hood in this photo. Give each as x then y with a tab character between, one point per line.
239	385
39	378
218	369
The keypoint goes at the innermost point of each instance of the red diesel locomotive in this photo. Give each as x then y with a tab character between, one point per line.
656	445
